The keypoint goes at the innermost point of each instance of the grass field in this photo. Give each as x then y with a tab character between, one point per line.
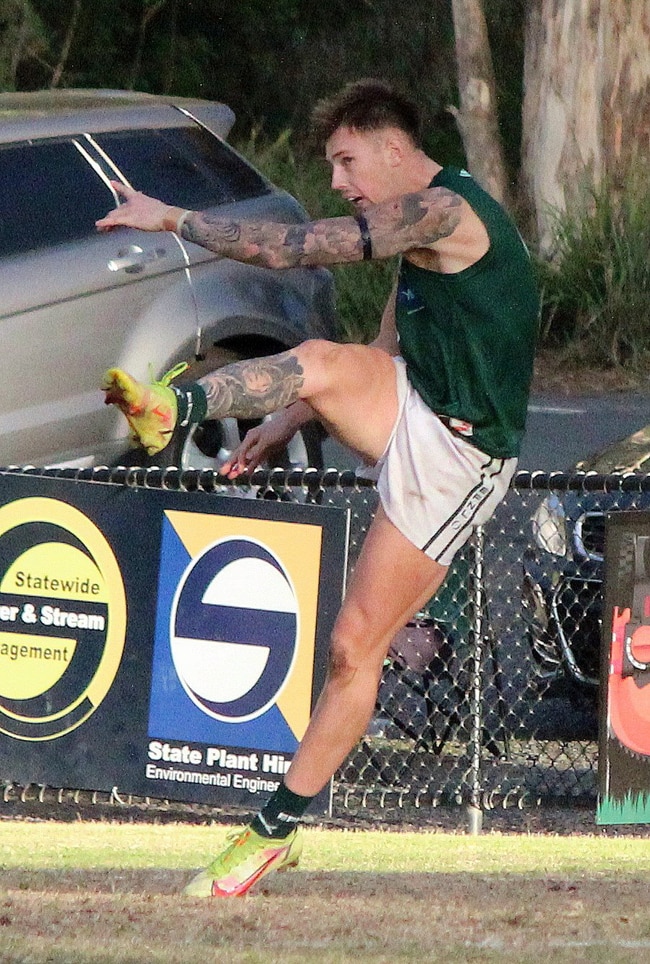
107	893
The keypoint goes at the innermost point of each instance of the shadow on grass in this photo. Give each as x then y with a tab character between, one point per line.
165	883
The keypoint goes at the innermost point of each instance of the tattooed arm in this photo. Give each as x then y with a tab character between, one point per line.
403	224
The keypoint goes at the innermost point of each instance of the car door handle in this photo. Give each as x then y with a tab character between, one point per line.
134	259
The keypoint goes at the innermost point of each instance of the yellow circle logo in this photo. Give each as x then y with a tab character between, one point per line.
62	618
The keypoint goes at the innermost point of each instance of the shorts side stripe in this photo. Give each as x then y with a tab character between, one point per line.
485	477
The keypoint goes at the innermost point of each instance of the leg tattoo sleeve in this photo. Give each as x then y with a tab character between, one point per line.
253	388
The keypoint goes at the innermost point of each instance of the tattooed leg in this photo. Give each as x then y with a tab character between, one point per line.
351	388
253	388
247	390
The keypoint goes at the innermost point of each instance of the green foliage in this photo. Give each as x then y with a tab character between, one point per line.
268	61
362	292
22	34
362	289
596	287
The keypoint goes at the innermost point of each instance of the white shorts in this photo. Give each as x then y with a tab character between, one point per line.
435	486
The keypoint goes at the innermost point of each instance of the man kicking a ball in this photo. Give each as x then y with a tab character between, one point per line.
437	403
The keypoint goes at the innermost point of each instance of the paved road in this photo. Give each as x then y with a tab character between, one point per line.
560	431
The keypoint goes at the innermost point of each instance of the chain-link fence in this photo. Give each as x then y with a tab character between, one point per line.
489	697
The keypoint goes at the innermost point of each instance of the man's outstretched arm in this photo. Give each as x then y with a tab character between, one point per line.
392	227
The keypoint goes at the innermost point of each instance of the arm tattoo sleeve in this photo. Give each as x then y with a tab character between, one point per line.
407	222
271	245
253	388
414	220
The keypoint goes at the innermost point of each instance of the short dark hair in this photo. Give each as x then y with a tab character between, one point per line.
366	105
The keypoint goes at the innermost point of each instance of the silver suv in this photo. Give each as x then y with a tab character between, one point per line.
75	301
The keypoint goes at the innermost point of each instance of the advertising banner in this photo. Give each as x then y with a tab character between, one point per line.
624	750
166	644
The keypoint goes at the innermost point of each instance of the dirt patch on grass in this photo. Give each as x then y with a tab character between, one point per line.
554	374
124	918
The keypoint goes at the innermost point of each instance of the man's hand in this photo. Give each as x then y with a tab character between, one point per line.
139	211
260	444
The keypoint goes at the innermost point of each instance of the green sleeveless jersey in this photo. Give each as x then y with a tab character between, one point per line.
468	339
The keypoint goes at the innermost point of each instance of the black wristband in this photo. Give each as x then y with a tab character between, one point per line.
365	236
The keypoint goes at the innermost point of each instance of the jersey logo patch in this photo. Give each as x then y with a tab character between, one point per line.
409	301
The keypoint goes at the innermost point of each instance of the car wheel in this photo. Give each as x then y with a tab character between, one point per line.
210	444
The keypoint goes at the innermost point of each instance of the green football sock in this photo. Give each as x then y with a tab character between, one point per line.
192	404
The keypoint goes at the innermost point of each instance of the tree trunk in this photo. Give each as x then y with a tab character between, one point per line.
21	40
170	70
626	89
477	118
150	10
67	44
586	110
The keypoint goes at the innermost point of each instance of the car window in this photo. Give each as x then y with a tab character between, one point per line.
185	166
50	195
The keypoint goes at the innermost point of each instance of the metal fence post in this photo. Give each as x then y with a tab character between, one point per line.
477	638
